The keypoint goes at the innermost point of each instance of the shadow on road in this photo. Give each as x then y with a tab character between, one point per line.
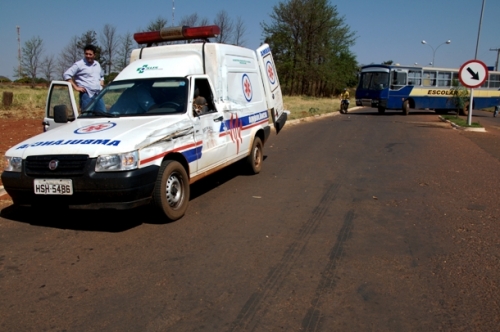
112	221
219	178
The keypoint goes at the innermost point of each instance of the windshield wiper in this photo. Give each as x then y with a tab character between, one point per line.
100	113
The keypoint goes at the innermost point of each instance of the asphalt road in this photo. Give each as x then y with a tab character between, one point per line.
357	222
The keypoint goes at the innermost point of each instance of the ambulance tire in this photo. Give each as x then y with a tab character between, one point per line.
171	192
255	158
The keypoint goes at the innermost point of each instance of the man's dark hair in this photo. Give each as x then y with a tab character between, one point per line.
90	47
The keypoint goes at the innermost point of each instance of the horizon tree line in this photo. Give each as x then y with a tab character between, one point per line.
309	39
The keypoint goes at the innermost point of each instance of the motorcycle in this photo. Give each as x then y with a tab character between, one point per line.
344	105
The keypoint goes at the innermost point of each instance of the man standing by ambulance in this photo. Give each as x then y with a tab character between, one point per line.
86	77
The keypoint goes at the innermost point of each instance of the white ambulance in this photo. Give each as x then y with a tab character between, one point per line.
150	141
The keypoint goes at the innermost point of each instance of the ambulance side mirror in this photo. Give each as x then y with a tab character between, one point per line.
60	114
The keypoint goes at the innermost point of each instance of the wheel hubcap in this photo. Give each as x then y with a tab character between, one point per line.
256	154
174	190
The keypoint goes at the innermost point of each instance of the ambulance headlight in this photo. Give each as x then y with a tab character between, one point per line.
13	164
117	162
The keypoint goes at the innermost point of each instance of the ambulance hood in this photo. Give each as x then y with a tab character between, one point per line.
101	136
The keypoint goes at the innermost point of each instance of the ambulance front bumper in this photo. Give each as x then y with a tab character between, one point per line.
90	190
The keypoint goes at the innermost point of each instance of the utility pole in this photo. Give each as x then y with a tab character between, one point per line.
173	11
471	104
19	50
498	54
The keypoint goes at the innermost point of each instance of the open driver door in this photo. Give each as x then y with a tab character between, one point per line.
61	106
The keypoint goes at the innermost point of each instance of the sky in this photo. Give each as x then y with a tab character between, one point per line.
385	29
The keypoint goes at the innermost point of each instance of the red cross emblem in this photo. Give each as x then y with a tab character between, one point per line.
270	72
93	128
247	87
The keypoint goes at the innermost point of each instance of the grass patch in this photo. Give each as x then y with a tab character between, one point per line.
27	103
301	106
461	121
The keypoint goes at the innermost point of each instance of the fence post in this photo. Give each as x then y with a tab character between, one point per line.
7	98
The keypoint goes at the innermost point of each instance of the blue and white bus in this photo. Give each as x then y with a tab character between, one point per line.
394	87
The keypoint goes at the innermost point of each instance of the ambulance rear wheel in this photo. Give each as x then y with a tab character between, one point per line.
171	192
255	158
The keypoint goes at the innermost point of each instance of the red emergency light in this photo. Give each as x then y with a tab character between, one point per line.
177	33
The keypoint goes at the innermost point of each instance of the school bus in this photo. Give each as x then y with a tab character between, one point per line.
393	87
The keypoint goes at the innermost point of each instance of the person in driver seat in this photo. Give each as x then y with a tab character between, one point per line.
135	100
200	105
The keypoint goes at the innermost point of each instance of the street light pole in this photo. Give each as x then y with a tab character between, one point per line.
434	50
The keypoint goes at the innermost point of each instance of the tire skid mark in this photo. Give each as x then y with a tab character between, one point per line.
313	318
278	273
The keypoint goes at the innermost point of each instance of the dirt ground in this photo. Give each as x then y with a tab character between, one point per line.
13	131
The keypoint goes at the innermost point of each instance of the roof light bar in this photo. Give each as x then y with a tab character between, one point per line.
177	33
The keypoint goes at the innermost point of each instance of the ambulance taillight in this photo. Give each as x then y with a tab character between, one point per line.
177	33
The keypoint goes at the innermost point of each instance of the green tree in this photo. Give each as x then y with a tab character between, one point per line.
310	43
157	24
460	97
90	38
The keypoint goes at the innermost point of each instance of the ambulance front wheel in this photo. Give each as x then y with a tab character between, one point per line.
256	156
171	192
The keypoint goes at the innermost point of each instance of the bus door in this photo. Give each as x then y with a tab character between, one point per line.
399	89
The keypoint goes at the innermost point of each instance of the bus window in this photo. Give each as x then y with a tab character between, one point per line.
414	77
398	80
494	81
429	78
374	81
444	79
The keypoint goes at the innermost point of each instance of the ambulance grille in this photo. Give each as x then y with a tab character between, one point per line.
73	164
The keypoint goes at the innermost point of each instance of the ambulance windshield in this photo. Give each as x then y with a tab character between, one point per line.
141	97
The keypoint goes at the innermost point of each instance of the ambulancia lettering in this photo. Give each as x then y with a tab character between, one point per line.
106	142
257	117
265	51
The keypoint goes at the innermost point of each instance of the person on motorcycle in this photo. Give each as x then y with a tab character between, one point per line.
345	95
344	99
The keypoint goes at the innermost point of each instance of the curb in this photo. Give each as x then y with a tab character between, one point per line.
313	117
455	126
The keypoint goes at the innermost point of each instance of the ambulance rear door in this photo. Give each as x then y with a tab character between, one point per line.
60	97
272	87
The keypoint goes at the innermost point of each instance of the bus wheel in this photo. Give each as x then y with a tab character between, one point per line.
381	110
441	111
406	107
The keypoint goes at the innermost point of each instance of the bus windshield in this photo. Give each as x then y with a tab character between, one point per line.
374	80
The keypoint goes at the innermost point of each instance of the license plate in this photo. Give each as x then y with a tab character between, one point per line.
53	187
